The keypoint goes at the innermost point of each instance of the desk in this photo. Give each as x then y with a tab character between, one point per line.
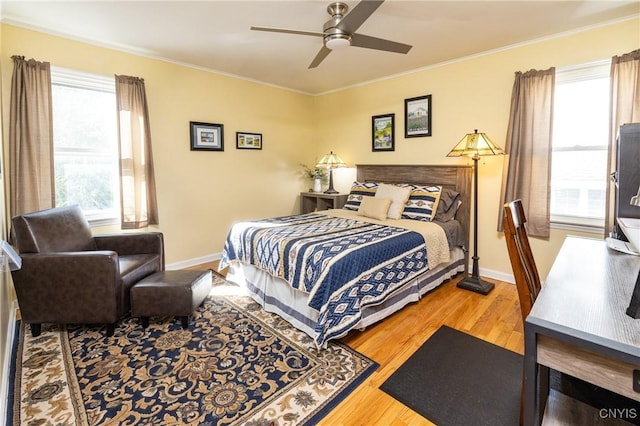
578	325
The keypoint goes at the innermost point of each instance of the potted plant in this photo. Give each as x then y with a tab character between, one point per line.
317	174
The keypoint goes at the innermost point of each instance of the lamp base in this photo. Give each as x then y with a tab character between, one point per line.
476	284
330	190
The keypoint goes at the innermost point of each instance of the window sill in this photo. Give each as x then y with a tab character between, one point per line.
590	229
103	222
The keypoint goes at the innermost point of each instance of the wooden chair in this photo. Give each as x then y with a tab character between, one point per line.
524	266
522	262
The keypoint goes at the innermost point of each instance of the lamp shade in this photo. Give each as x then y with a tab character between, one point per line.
475	145
330	161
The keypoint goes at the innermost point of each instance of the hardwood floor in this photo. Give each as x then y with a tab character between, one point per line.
494	318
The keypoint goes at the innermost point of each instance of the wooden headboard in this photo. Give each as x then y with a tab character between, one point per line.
457	178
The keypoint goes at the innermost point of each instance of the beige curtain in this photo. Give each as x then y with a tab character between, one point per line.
31	185
528	147
625	108
137	180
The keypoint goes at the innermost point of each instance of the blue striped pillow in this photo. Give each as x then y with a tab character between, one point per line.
422	203
358	191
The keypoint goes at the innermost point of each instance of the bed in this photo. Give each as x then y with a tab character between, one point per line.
333	271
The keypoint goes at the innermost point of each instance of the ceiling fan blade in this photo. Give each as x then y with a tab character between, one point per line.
319	57
358	15
281	30
360	40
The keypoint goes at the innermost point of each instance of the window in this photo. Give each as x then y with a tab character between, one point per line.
579	144
85	144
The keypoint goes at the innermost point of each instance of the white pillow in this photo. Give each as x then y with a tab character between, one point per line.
398	197
374	207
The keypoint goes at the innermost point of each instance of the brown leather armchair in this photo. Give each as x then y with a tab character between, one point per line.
70	276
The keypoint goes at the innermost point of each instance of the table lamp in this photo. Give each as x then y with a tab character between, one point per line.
330	161
475	145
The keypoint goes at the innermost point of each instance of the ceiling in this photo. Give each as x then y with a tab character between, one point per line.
216	35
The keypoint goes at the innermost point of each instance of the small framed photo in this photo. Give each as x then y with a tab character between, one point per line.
382	132
206	136
248	140
417	117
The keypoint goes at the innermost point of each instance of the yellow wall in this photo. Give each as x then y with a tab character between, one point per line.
7	295
200	193
466	95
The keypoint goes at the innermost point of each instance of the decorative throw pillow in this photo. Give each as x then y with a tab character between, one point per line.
359	190
374	207
398	196
448	205
422	203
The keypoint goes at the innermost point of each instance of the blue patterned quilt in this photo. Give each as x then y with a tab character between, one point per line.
343	264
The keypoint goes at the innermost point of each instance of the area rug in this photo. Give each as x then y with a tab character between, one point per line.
236	364
458	379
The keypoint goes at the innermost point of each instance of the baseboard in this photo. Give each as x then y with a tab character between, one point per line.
489	273
497	275
193	262
500	276
4	386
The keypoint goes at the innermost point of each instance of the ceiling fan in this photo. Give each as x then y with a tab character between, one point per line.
340	31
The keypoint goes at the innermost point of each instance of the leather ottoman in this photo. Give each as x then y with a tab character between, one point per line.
166	293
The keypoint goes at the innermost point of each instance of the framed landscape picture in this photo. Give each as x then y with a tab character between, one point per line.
248	140
417	117
206	136
382	132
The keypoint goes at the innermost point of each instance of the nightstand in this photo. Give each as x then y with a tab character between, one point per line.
314	201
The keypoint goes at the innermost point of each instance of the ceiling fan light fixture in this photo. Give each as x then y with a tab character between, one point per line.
339	32
337	41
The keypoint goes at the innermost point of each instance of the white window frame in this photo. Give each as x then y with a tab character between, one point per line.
82	80
576	73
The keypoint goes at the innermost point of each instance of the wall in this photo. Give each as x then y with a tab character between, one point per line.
7	296
200	193
474	93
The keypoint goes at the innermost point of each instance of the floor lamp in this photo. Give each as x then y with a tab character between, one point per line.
475	145
330	161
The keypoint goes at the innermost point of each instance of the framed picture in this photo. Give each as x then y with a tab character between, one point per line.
206	136
417	117
382	132
248	140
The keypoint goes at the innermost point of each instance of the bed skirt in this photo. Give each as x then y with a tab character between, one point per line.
277	296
